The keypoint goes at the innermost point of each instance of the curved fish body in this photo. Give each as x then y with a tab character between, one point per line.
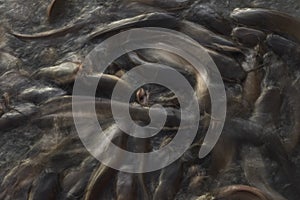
248	36
50	33
255	172
46	187
169	181
103	175
8	62
208	17
245	192
170	5
61	74
288	49
145	20
268	20
202	35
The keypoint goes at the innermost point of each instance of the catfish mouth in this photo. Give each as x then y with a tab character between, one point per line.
152	94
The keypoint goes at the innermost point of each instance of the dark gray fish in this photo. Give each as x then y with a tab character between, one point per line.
65	120
170	178
267	114
235	105
61	157
17	182
255	172
196	179
75	181
103	175
51	33
243	131
61	74
40	93
140	145
236	192
125	186
45	187
99	180
62	107
160	94
288	49
170	5
267	107
165	58
144	20
8	62
56	9
55	105
106	84
169	181
269	20
222	156
277	72
248	36
17	116
202	35
293	98
134	8
206	16
228	67
14	81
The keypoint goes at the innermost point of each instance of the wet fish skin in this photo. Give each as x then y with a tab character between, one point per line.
63	106
14	81
50	34
74	183
125	186
46	187
267	113
134	8
40	93
293	97
9	62
276	71
255	172
208	17
169	181
243	131
18	116
248	36
228	67
106	84
268	20
144	20
244	192
267	107
103	174
288	49
222	156
61	74
55	10
202	35
169	5
140	145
